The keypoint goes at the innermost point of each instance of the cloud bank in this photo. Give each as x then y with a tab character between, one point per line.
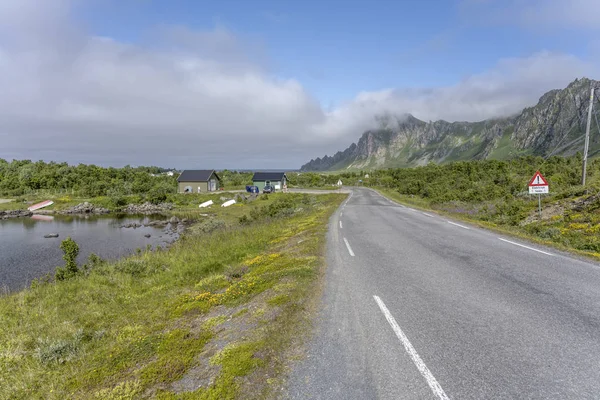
206	99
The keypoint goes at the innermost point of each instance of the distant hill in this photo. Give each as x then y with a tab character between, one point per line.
555	126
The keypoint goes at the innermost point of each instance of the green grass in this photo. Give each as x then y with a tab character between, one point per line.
136	327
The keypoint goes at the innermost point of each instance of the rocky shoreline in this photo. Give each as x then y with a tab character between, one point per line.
88	208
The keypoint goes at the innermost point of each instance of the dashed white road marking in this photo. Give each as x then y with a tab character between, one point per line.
341	227
349	248
341	214
462	226
527	247
429	215
436	388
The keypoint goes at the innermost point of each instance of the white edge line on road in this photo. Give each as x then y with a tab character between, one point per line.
429	215
431	381
527	247
462	226
349	248
341	227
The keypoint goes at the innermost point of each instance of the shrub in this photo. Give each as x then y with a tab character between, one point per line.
281	206
118	201
93	261
71	251
156	197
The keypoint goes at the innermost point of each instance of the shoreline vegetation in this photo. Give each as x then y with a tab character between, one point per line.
216	316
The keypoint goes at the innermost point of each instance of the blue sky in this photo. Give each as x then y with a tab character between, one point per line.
339	48
213	84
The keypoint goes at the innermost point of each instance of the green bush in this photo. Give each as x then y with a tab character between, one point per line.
71	250
118	201
156	197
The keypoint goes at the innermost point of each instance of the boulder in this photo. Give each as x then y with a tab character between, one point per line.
51	235
174	220
147	235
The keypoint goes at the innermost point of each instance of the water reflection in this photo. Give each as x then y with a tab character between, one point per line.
25	254
42	217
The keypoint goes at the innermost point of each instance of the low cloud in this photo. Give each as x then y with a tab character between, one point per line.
206	99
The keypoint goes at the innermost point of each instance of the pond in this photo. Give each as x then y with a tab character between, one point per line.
25	254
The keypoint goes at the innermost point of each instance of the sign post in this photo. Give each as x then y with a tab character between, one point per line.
538	185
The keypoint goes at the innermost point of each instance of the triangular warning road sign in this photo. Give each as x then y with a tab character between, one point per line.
538	180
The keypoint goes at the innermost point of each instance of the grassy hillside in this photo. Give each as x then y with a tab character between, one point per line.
216	316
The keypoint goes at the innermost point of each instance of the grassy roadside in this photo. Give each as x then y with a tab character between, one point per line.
517	231
213	317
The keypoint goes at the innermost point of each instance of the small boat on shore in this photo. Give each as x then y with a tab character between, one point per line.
40	205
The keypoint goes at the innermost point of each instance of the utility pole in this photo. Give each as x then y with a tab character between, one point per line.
587	137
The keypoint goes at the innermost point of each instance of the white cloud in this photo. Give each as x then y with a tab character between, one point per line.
205	99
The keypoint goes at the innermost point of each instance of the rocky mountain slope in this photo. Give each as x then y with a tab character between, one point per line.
555	126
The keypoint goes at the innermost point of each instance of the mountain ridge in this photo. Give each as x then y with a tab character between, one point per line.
554	126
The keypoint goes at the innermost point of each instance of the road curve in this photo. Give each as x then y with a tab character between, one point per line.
419	307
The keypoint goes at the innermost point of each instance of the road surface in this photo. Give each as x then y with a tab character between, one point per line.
419	307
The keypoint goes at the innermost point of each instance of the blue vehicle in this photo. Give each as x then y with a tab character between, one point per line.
252	189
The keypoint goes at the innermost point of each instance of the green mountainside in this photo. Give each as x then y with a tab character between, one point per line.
555	126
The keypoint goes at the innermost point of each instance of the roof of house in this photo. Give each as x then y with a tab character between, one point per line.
268	176
196	175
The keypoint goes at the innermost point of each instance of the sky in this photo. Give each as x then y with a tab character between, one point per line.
269	83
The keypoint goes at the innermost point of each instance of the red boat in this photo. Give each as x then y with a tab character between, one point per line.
40	205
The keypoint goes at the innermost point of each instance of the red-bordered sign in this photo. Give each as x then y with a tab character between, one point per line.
538	180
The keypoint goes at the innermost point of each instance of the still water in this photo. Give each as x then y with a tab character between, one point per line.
25	254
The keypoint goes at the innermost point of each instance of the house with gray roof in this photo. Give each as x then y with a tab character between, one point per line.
275	179
198	181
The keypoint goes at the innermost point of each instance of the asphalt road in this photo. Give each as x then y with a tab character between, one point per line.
469	316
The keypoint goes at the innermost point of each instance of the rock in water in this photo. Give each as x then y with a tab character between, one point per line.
174	220
51	235
147	235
